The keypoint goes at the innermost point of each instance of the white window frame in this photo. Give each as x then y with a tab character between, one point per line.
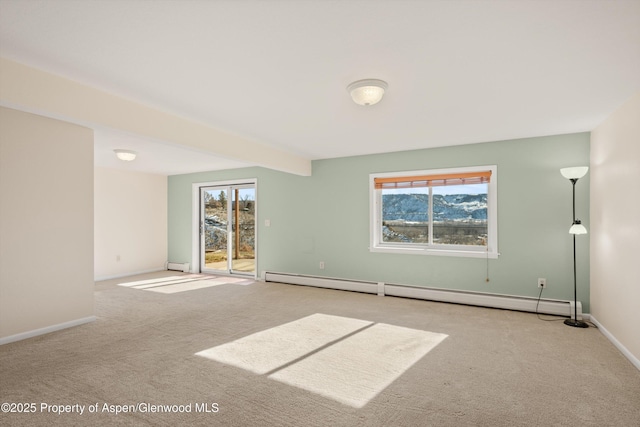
375	228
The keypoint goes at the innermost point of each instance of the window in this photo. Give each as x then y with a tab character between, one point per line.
435	212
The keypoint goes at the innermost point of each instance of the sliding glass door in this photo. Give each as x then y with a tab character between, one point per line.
228	229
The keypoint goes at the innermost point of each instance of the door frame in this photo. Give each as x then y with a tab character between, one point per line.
196	222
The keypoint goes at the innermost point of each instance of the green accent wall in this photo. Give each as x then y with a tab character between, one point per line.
325	217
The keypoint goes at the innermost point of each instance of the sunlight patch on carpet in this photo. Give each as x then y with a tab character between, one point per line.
355	370
187	286
273	348
348	360
161	280
176	284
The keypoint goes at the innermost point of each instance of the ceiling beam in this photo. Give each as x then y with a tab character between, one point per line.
28	89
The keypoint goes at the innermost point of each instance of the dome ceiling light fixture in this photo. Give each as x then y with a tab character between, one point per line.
367	91
125	155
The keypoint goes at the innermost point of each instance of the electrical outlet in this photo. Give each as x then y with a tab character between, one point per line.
542	282
321	265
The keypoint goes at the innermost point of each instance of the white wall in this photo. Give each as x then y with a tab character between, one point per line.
615	226
46	224
130	222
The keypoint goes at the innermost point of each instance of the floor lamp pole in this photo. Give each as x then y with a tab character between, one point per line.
575	322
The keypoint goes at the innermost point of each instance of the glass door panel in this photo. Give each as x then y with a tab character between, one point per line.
214	225
243	257
227	229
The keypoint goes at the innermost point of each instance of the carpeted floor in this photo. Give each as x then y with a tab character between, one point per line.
267	354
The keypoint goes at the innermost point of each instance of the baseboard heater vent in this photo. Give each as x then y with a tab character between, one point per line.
507	302
178	266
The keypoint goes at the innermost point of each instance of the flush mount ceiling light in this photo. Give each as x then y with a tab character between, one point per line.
367	92
126	155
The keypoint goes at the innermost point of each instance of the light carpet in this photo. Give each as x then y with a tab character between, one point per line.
494	368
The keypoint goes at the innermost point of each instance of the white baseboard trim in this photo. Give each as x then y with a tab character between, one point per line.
508	302
130	273
178	266
46	330
634	360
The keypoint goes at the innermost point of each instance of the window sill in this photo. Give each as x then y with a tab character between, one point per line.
437	252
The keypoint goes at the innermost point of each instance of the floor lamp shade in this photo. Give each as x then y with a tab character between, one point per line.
577	228
576	172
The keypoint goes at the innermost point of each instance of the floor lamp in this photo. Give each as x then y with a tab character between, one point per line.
573	175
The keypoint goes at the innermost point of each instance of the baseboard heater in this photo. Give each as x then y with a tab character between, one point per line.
178	266
508	302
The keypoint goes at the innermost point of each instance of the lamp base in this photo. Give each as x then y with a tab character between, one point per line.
576	323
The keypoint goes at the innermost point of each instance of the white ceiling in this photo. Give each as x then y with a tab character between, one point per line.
276	71
159	157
